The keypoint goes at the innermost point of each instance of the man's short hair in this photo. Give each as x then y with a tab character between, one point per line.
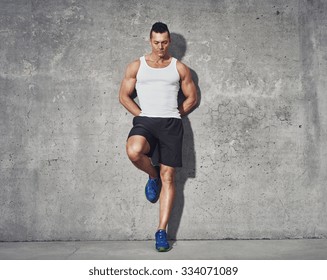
159	27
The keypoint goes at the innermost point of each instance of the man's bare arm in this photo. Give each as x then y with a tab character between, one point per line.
188	88
127	88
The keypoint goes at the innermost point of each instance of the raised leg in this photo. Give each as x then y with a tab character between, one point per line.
137	147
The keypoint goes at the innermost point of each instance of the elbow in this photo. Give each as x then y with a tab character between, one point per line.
121	100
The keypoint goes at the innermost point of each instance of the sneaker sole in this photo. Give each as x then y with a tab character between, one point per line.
163	249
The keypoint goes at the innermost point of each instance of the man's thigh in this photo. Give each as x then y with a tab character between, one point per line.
171	142
141	136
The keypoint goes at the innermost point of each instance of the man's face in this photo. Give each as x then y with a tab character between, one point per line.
160	43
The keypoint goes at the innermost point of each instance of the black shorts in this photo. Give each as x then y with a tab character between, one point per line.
166	133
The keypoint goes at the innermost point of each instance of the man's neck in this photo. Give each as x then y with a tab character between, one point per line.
159	60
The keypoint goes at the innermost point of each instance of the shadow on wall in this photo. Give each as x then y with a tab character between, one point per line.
178	49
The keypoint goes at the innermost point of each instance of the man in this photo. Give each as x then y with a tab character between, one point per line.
157	78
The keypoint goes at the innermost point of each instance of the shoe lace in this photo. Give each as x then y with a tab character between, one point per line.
154	181
162	234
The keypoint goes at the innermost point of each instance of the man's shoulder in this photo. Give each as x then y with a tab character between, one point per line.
182	68
135	63
133	67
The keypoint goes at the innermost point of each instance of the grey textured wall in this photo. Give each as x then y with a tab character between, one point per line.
255	149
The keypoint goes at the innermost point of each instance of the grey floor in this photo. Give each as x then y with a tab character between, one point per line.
300	249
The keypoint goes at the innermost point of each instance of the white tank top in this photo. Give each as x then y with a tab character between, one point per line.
157	90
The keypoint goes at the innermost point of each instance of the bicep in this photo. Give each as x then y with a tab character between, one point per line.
129	81
187	85
127	86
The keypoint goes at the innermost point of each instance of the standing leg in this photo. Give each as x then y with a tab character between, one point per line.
167	195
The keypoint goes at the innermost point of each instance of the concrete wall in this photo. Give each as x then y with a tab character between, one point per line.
255	161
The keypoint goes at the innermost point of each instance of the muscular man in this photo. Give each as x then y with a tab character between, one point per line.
157	78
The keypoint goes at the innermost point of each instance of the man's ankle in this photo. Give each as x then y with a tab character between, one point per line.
155	174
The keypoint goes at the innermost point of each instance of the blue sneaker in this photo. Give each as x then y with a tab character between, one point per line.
153	188
162	244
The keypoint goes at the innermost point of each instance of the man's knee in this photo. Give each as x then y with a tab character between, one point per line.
167	174
133	152
135	149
